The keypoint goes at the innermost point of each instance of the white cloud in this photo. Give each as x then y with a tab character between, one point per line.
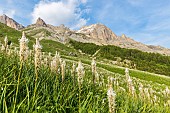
65	12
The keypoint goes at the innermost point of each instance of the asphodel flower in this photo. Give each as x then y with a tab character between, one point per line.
23	53
63	65
93	66
57	58
129	82
80	73
2	48
111	95
6	42
37	49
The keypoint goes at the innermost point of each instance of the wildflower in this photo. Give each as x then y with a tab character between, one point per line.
53	65
37	48
80	73
147	94
110	81
73	69
63	64
129	82
141	92
10	46
6	42
93	65
15	49
111	98
9	52
49	55
127	73
23	47
130	86
43	54
154	99
167	92
57	58
2	48
45	62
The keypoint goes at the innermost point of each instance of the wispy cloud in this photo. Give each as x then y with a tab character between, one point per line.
65	12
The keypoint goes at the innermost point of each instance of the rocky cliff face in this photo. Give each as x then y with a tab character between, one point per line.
101	35
40	22
42	30
10	22
98	32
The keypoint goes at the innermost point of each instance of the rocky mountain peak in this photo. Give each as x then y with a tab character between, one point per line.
123	36
10	22
41	22
99	32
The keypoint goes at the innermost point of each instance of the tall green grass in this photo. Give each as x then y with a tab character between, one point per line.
18	94
52	95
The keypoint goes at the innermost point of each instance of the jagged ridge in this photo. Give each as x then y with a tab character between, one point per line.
96	33
10	22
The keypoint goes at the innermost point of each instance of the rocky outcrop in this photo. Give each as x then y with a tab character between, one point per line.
40	22
98	32
10	22
101	35
42	30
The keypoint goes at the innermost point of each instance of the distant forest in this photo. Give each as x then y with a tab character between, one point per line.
151	62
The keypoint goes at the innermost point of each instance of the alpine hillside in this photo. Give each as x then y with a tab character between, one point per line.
96	33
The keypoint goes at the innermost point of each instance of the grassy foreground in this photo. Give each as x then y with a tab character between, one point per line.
21	93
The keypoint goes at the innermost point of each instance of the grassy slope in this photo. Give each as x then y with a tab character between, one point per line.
151	62
134	73
48	45
52	46
19	92
13	35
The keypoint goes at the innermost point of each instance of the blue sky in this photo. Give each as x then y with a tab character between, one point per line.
146	21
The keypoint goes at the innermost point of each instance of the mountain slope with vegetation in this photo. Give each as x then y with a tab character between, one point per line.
25	88
150	62
74	81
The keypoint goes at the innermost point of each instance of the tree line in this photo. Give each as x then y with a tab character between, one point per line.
151	62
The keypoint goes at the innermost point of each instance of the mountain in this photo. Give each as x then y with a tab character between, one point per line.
102	35
10	22
40	22
150	62
42	30
96	33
